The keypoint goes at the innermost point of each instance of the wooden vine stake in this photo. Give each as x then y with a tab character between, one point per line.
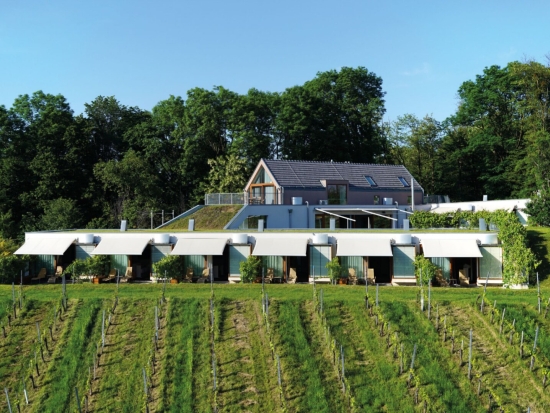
377	295
429	299
25	390
521	346
502	321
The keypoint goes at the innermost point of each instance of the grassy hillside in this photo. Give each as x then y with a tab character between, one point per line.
539	241
335	354
209	218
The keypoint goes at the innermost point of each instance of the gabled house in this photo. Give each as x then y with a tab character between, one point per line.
277	182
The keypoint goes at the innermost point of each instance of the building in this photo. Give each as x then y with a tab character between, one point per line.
356	212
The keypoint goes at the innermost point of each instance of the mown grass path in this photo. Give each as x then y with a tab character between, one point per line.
445	385
119	385
371	370
16	349
186	383
67	371
310	381
247	377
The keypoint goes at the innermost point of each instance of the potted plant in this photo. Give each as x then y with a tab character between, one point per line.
250	269
170	266
335	270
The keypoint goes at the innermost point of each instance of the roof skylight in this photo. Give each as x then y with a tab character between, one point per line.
403	181
370	180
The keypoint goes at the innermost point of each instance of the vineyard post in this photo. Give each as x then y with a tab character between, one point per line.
521	346
77	399
266	305
437	317
512	331
534	348
343	368
214	368
313	274
263	277
470	357
38	331
412	366
25	390
461	352
538	292
321	297
21	292
211	280
377	294
421	293
493	311
36	363
14	311
63	285
401	360
429	299
156	318
13	292
366	282
8	399
145	390
103	331
279	371
502	320
117	280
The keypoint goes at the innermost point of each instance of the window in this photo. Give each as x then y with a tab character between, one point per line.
403	181
262	177
376	200
251	222
337	194
409	200
370	180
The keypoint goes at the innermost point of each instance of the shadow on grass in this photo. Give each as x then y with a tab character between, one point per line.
538	240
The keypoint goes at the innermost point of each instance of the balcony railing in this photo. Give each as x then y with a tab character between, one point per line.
225	199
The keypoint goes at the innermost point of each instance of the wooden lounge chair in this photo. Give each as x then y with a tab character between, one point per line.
41	275
58	274
370	276
205	276
111	276
268	278
292	277
128	275
188	275
352	277
463	279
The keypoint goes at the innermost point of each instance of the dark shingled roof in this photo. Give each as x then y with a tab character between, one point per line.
309	174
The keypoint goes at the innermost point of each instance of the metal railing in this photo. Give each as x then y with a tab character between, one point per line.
225	199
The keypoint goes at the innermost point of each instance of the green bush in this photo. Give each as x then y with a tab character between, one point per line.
97	265
425	270
538	209
171	266
335	269
250	269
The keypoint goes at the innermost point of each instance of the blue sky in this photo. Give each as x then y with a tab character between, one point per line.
143	51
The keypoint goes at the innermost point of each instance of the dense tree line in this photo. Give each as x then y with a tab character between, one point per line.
59	170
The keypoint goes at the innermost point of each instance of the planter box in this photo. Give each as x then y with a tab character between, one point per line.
174	281
342	281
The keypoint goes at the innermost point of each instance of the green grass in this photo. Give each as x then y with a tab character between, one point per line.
211	217
247	376
67	371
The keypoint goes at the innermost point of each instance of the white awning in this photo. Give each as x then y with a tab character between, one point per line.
121	246
46	246
363	248
450	248
199	246
287	247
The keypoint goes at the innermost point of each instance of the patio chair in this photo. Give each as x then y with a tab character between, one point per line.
292	277
370	276
110	277
352	277
58	274
268	278
128	275
188	275
41	275
463	279
205	276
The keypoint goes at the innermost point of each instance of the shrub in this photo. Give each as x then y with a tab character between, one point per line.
425	270
250	269
335	269
171	266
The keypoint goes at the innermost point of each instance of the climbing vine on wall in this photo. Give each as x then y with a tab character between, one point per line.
519	262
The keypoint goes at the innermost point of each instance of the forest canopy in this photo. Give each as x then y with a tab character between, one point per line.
59	170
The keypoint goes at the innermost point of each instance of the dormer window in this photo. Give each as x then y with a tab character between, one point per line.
403	181
370	180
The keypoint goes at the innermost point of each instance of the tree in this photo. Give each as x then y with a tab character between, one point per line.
228	174
538	209
61	214
337	115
